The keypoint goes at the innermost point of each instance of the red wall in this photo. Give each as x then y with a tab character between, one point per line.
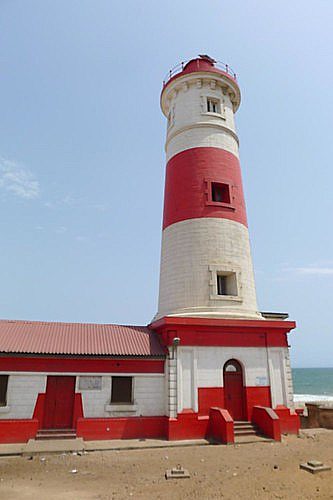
223	332
290	423
18	431
122	428
257	396
267	421
221	426
208	397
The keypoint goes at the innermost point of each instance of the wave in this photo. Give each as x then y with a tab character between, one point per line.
309	398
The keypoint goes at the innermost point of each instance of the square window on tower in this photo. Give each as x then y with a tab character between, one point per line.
226	284
213	105
220	192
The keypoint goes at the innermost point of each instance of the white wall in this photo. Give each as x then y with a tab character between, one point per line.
22	394
189	248
149	398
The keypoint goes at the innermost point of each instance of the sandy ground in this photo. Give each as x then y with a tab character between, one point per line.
247	471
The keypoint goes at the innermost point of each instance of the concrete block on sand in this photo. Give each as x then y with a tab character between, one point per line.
314	466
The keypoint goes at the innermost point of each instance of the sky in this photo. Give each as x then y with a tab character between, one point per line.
82	154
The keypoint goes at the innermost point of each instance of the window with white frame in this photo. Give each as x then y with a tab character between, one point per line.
213	105
225	283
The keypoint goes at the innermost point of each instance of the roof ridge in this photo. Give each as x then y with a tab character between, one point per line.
41	322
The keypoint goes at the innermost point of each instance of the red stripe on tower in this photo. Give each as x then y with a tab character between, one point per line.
203	182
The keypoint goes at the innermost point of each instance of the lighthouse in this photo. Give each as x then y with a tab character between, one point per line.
206	264
223	352
210	365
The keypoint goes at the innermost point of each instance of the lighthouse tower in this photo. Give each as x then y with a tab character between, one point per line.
224	355
206	264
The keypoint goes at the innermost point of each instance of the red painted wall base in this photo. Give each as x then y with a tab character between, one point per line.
18	431
290	422
122	428
221	426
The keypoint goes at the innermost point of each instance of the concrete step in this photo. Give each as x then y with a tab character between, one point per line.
56	434
244	428
53	446
245	432
253	438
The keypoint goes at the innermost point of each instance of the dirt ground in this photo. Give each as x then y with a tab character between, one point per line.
248	471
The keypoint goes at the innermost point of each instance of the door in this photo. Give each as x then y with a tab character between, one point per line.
233	389
59	403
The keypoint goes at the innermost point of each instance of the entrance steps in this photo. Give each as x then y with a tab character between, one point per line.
246	432
55	434
243	428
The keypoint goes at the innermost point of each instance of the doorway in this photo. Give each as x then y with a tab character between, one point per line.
233	389
59	402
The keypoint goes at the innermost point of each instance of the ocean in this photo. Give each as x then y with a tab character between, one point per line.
313	384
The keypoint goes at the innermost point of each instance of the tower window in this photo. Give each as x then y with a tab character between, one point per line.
220	192
3	390
226	284
213	105
121	390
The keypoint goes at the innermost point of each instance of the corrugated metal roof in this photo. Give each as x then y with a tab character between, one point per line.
36	337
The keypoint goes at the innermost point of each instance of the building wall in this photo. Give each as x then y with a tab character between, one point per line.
149	396
202	368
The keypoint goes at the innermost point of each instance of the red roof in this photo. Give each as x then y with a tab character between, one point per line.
36	337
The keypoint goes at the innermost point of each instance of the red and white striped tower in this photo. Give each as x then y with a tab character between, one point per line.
206	264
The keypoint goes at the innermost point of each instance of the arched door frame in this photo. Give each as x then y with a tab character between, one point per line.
234	389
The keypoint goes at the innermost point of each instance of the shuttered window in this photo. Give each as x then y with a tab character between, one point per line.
3	390
121	390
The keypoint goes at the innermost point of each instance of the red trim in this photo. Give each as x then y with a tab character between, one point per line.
18	431
198	66
188	179
223	332
122	428
232	323
221	426
51	364
39	410
78	409
267	421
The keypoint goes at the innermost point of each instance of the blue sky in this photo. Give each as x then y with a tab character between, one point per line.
82	158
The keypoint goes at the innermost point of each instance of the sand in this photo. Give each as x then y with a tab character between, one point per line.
248	471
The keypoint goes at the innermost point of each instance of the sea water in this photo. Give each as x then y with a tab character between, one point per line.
313	384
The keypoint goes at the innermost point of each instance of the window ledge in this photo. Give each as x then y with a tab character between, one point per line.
232	298
4	409
211	113
121	407
221	204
